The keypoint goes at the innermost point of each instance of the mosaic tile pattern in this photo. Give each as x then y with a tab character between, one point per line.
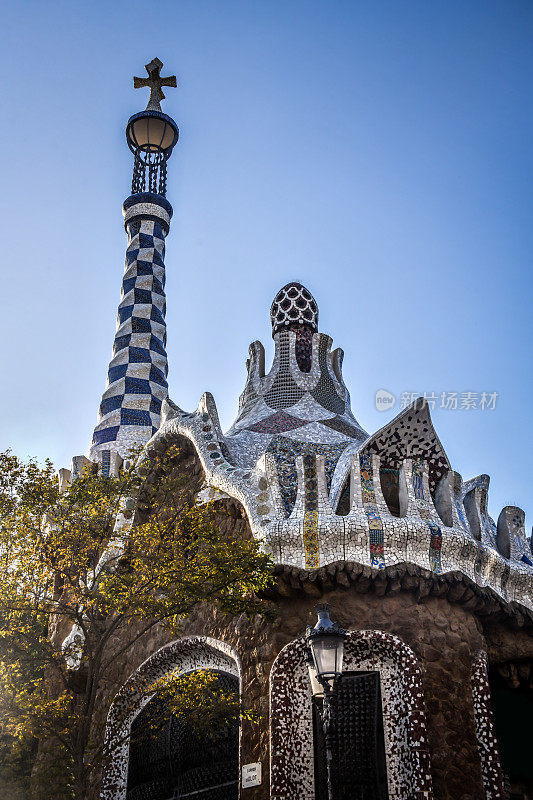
277	423
180	657
486	736
310	534
411	435
425	509
137	376
294	304
286	451
406	747
511	535
298	415
377	555
475	502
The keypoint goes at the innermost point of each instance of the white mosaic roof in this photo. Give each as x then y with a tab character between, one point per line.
317	489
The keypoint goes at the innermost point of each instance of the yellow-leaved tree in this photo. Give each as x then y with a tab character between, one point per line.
86	575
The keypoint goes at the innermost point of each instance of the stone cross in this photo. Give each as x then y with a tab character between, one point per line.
155	82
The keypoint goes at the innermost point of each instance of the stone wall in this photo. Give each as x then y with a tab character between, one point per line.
444	636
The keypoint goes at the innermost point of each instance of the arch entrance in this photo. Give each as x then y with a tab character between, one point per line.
383	684
170	758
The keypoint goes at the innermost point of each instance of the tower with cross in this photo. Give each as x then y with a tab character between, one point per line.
136	384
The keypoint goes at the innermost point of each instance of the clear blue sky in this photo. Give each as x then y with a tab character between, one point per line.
380	152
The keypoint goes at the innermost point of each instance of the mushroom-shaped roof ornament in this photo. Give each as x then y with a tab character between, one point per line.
294	306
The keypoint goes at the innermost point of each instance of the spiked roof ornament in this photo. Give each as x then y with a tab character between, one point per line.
155	82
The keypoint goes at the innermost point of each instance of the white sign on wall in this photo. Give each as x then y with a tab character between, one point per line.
251	775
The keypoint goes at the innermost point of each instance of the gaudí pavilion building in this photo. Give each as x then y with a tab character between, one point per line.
425	602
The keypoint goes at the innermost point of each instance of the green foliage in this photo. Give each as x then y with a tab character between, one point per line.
109	558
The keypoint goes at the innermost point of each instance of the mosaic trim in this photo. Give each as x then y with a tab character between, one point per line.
182	656
376	540
310	526
424	506
435	546
486	736
310	533
291	729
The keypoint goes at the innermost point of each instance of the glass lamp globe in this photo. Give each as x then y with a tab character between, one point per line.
326	644
152	132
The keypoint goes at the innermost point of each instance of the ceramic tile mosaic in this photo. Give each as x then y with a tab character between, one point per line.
375	526
300	409
425	509
291	728
486	736
290	413
130	409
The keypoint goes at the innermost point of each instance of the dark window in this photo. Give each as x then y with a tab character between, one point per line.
171	760
359	765
512	705
343	506
389	479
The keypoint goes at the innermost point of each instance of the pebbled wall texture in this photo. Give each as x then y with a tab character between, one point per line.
444	636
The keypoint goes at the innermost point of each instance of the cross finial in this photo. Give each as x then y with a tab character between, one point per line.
155	82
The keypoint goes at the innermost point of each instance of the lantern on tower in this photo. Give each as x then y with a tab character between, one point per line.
152	135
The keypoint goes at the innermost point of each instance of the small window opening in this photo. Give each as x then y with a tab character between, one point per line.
343	506
390	487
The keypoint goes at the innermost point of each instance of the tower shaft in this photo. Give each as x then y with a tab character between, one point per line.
136	385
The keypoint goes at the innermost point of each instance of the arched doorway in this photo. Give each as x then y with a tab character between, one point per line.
180	657
400	707
169	758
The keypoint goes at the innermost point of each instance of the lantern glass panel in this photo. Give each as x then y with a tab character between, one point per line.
152	133
140	131
328	654
317	690
168	137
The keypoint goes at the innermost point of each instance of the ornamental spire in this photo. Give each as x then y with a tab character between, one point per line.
151	135
130	411
154	81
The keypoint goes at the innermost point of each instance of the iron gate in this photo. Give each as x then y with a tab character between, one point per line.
173	761
359	765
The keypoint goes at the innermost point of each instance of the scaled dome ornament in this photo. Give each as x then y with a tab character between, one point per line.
294	305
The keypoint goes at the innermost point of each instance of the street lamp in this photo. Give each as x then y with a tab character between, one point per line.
326	647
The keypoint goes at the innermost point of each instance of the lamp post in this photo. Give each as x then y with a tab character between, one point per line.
326	646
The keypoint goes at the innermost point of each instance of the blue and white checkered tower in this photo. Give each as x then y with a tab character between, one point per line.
136	385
